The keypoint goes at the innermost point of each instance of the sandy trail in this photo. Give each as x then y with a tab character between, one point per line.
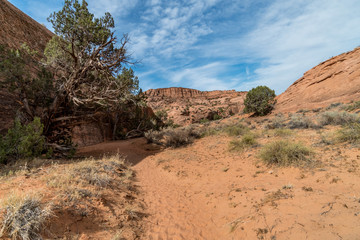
175	212
205	192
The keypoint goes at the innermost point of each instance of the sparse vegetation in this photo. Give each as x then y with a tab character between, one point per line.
350	133
300	121
338	118
285	153
23	217
353	106
276	122
260	101
174	137
236	129
248	140
334	105
22	141
282	132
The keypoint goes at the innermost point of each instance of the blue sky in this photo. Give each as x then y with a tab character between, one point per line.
224	44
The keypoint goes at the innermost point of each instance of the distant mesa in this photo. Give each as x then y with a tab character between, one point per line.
176	92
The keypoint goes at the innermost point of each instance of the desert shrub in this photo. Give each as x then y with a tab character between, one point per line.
22	141
216	117
303	111
300	121
350	133
259	100
23	217
333	105
285	153
236	129
353	106
276	122
282	132
247	140
316	110
338	118
174	137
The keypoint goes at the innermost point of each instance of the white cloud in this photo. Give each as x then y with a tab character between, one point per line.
289	38
116	8
204	77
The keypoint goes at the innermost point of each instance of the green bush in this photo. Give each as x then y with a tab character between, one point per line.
22	141
260	101
285	153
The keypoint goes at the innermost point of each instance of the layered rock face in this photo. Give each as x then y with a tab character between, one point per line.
184	106
16	28
335	80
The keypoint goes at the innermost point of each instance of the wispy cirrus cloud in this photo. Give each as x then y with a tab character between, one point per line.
213	44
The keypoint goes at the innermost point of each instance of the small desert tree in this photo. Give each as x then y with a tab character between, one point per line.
86	59
84	73
260	101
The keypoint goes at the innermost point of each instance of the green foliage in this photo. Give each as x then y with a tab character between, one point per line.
285	153
22	141
162	115
128	82
32	91
87	59
216	117
260	101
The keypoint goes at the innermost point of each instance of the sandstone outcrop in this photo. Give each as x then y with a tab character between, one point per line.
16	29
183	106
335	80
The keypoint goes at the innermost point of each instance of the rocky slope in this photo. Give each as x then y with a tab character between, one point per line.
17	28
335	80
184	106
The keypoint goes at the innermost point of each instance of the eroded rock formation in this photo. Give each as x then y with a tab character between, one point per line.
183	106
335	80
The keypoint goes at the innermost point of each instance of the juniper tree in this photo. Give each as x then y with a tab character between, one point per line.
86	58
260	101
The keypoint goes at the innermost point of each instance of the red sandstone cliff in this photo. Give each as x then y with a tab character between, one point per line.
184	105
335	80
17	28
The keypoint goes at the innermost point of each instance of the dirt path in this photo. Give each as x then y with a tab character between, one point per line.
206	192
175	211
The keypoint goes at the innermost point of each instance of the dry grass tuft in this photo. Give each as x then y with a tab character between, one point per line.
23	217
87	178
248	140
285	153
350	133
171	137
338	118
